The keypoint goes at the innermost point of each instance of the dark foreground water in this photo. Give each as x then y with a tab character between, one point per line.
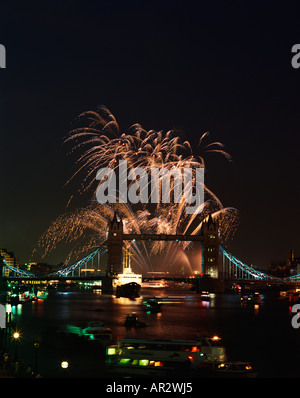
260	334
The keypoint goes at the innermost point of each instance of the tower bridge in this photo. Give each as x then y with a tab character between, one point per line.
216	261
206	242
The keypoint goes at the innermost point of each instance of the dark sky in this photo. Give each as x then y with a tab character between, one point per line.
222	67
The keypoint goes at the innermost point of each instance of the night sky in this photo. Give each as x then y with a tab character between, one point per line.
222	67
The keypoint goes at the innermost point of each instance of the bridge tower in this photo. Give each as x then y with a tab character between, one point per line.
114	245
210	248
3	283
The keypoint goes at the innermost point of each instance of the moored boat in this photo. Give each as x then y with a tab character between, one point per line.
42	293
154	284
152	304
20	294
251	298
144	357
133	321
127	284
237	369
129	290
92	330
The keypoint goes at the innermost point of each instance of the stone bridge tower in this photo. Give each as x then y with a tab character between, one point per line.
114	245
210	248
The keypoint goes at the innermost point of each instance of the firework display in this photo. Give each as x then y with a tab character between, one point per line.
98	142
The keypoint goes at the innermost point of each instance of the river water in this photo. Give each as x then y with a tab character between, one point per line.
261	334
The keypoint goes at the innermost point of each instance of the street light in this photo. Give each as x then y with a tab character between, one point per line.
16	336
36	346
64	364
64	367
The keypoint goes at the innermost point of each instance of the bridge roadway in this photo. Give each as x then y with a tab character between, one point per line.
166	237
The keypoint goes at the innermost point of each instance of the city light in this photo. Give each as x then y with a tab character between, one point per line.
64	364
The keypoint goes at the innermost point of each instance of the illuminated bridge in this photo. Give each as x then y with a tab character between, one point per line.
216	261
231	268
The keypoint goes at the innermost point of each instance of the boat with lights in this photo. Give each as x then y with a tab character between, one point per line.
127	283
92	330
163	357
20	294
133	321
201	357
154	284
41	293
251	298
151	304
237	369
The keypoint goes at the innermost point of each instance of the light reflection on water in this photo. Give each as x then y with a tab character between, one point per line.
180	316
244	329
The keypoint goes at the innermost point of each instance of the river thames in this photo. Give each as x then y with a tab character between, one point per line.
261	334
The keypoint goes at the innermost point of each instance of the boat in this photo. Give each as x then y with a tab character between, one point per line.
133	321
128	276
292	295
205	295
92	330
129	290
236	369
42	293
203	356
159	284
127	283
20	294
151	304
162	357
251	298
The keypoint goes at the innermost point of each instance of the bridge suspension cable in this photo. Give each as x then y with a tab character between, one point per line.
293	278
70	268
19	271
246	268
61	272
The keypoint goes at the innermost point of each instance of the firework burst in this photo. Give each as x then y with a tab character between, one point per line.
100	143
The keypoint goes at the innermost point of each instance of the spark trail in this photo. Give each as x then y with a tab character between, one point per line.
100	143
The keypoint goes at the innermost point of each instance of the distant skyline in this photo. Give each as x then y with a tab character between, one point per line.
222	68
